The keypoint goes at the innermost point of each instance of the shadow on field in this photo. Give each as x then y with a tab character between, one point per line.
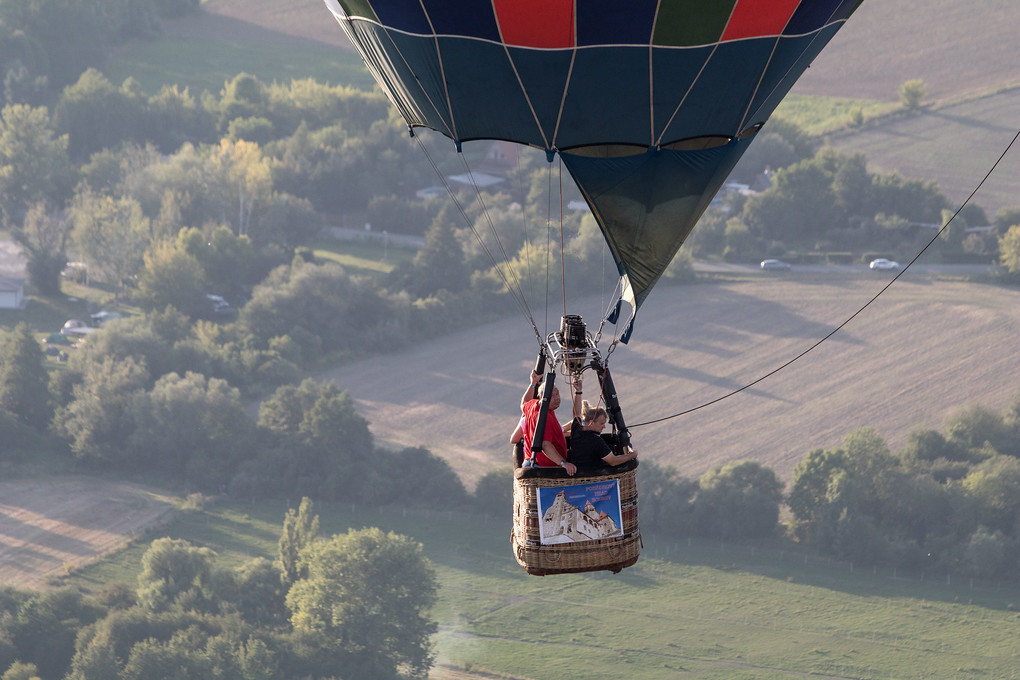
795	565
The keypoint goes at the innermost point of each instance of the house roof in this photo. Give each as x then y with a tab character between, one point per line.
9	285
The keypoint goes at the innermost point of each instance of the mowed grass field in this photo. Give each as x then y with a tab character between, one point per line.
699	609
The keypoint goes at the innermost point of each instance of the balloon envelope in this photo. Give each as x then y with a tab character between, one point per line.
650	103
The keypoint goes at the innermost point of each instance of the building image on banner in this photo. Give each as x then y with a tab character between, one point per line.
581	512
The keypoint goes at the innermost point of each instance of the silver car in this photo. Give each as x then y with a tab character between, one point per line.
882	263
774	265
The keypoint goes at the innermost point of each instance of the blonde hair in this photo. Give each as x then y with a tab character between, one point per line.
590	413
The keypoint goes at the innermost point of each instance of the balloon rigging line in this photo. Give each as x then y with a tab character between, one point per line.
855	314
563	259
514	289
548	243
528	262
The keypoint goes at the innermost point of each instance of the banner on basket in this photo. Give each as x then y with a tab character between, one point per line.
581	512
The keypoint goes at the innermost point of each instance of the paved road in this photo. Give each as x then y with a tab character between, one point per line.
837	269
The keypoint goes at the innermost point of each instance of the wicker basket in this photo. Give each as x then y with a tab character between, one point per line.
608	554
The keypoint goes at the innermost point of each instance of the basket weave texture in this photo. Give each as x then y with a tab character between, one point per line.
608	554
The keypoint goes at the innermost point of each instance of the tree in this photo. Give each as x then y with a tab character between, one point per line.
798	207
439	265
98	421
368	596
257	591
1007	217
809	493
242	177
111	235
172	277
43	237
190	427
242	97
46	625
347	312
995	486
738	500
173	117
974	426
24	383
928	452
299	531
912	93
21	671
34	164
283	412
227	260
1009	250
494	491
324	447
96	115
173	572
155	659
416	475
666	499
987	554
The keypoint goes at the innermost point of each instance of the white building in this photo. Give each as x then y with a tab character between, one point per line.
565	523
12	293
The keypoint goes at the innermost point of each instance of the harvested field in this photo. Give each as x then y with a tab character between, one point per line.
48	526
949	44
925	349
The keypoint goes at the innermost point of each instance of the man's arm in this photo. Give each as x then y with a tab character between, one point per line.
615	459
532	391
552	454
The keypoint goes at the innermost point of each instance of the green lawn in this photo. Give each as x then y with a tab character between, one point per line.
705	609
362	257
818	115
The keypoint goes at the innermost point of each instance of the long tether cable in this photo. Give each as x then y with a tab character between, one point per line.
852	316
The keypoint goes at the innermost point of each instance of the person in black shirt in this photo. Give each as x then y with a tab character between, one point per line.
588	450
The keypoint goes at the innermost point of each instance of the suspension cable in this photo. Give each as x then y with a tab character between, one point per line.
855	314
563	265
512	287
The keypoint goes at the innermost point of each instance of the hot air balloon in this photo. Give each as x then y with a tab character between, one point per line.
648	103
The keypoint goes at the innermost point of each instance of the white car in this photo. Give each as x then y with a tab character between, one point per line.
218	305
76	328
774	264
882	263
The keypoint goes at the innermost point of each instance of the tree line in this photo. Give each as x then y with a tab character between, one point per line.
127	405
949	501
110	173
354	605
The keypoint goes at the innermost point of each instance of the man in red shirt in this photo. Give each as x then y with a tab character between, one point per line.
554	443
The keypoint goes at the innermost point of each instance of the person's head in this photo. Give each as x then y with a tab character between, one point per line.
595	417
554	400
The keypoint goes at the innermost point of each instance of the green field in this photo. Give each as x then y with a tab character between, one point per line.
362	257
819	115
705	609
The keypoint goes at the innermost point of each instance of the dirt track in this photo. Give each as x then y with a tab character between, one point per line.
50	525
